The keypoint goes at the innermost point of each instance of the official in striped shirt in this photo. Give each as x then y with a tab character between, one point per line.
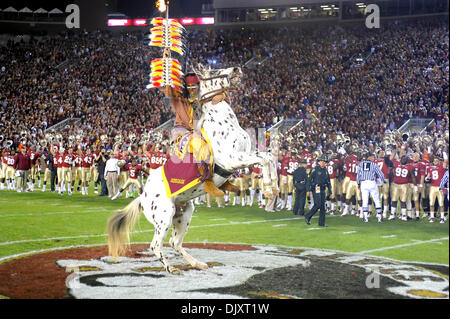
366	177
444	182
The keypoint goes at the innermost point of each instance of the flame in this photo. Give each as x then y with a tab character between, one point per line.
161	5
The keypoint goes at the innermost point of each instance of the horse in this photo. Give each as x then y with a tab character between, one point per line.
231	150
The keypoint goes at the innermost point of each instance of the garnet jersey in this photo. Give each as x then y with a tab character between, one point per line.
5	159
257	170
87	161
124	158
242	172
157	159
145	161
381	162
401	173
416	167
133	171
293	164
67	160
46	159
77	160
332	168
352	164
284	166
34	156
10	160
57	160
425	167
436	173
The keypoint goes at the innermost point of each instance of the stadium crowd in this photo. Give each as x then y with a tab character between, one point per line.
312	74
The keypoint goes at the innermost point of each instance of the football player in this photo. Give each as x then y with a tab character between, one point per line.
384	162
257	185
10	171
350	186
35	163
333	170
86	165
402	172
293	164
284	160
66	171
133	172
3	167
435	172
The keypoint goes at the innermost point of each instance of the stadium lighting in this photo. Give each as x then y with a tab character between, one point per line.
140	22
188	21
205	20
119	22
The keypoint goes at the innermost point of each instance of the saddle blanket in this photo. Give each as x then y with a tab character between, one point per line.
189	165
180	175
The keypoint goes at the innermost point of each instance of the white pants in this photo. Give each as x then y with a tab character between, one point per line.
370	188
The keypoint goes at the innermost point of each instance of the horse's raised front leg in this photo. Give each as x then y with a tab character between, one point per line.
180	227
243	159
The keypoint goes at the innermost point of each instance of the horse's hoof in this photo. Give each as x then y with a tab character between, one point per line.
174	271
201	265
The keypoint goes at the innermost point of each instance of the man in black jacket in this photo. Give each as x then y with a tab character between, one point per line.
300	178
318	182
101	161
53	169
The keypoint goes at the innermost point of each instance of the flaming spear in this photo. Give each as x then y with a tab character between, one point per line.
166	34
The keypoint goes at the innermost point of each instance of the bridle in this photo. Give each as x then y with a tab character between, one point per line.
207	97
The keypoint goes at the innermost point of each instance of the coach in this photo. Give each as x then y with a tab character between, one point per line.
300	178
22	165
112	172
367	173
53	168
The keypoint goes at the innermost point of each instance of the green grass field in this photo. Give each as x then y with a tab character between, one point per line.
34	221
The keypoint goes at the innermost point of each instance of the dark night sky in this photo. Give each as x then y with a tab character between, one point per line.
132	8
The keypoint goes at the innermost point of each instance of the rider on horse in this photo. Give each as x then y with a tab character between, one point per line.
184	105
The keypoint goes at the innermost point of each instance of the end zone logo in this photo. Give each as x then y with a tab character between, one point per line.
235	271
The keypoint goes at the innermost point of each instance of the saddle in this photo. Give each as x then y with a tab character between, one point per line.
190	163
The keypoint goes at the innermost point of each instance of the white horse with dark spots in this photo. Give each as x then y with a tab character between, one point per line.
231	149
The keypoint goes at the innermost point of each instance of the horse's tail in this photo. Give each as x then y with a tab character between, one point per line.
119	226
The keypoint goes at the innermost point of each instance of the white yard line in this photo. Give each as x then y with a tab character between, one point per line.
389	236
56	213
419	242
279	225
349	232
142	231
99	210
